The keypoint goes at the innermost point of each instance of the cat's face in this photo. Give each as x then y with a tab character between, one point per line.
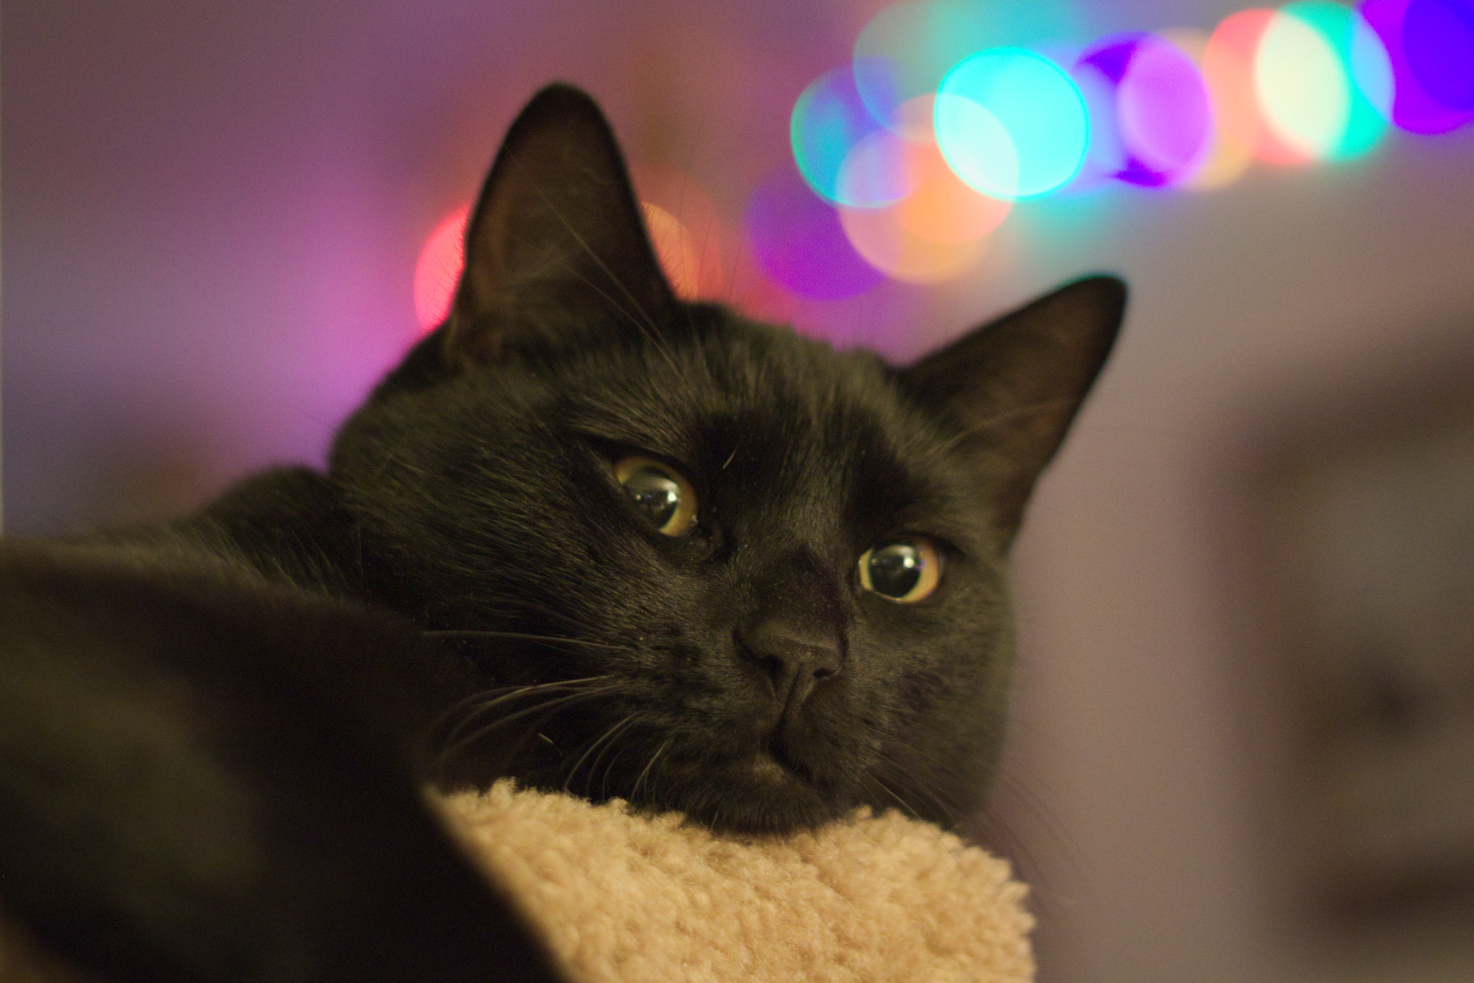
749	577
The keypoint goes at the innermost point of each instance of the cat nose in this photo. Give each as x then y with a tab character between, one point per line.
794	660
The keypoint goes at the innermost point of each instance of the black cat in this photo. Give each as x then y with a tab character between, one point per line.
584	535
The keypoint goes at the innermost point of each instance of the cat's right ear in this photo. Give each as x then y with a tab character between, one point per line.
556	245
1013	386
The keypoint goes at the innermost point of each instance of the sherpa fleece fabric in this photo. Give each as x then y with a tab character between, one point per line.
630	898
627	898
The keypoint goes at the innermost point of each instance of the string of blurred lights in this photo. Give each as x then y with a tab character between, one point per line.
921	145
910	155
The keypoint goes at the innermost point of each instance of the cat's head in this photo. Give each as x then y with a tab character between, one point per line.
746	576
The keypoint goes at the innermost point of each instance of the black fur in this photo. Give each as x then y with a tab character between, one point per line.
211	733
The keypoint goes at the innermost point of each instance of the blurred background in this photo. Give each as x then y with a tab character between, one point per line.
1244	742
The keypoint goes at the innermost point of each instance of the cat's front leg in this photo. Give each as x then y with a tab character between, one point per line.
186	795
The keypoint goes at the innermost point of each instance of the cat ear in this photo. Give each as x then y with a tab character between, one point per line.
1015	385
556	244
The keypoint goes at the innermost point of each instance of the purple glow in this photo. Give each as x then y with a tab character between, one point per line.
1438	36
1112	56
799	242
1163	109
1413	108
1154	99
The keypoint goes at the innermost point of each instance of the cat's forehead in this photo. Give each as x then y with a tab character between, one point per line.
746	404
745	382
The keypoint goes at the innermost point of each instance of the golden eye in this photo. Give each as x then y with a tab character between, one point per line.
661	495
906	570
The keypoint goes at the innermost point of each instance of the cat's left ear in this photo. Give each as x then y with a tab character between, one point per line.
556	244
1014	385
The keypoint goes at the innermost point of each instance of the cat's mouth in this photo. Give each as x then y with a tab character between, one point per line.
760	790
766	766
770	768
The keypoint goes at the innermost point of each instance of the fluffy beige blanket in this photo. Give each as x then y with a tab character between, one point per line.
625	898
635	899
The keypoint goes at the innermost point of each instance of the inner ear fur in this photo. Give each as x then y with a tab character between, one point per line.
556	244
1014	385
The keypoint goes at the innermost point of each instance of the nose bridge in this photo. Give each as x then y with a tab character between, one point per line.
798	587
796	628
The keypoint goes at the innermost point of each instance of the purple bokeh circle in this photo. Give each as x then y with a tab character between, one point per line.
1413	108
1157	103
799	242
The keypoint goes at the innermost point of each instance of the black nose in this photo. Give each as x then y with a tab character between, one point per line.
794	660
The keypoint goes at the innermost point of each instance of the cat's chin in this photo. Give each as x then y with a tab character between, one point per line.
755	794
768	769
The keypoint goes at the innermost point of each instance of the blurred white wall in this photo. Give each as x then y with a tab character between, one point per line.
1133	731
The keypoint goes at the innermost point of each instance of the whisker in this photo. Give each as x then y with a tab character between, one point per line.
1049	834
1045	819
635	790
601	741
620	747
998	418
494	697
909	779
599	262
511	605
648	327
454	742
653	332
561	702
521	636
609	768
905	806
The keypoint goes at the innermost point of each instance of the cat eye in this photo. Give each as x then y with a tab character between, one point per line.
906	571
662	496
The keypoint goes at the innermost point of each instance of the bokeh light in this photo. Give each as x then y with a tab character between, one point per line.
686	230
1163	109
1365	68
1032	132
1413	108
1301	85
828	121
943	208
1105	154
977	146
799	243
934	232
882	237
1228	151
439	268
1149	92
916	190
1229	72
908	48
1438	36
675	249
876	172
